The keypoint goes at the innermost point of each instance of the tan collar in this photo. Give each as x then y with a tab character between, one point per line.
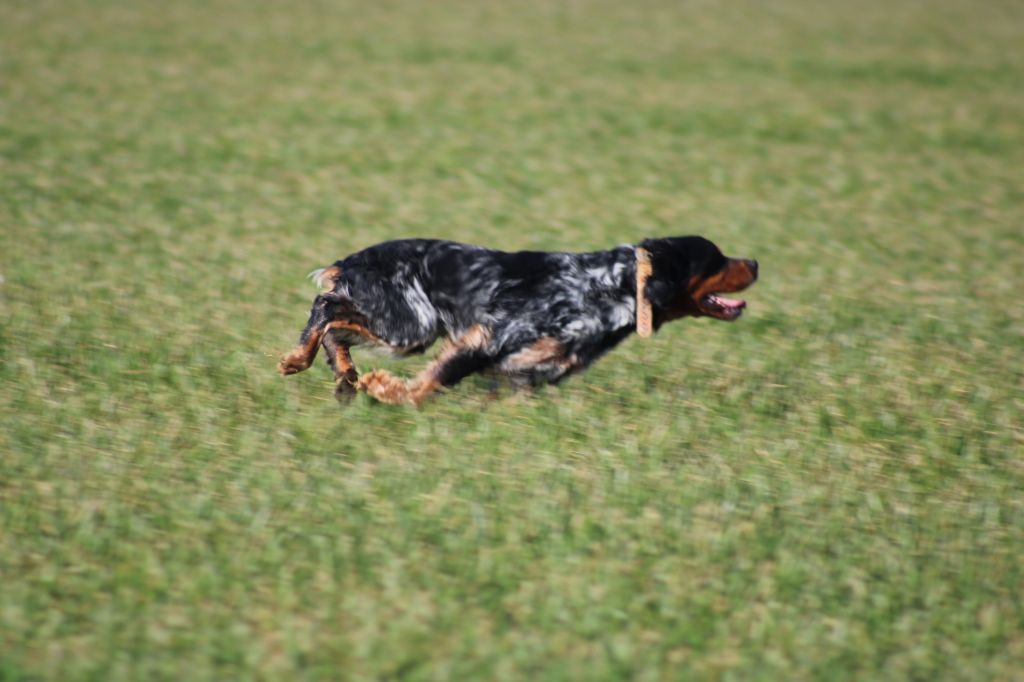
644	314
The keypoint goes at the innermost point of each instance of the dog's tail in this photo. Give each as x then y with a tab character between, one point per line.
326	277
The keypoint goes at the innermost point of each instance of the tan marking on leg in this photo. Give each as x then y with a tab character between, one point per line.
422	391
300	357
475	337
357	328
426	382
385	387
345	375
544	350
343	360
388	388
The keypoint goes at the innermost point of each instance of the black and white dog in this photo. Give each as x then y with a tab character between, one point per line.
535	316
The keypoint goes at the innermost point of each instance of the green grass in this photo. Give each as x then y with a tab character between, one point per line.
832	488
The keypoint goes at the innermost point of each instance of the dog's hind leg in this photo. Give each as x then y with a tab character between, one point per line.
338	357
324	309
329	310
302	356
459	359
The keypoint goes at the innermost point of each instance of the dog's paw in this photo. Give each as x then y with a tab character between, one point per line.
293	363
373	378
344	390
385	387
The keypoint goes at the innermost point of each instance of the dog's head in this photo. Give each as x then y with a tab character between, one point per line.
688	276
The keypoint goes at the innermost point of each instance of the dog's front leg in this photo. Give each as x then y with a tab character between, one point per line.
460	358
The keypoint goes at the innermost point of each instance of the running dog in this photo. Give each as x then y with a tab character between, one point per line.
535	316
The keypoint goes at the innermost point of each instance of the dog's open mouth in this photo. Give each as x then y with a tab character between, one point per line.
721	307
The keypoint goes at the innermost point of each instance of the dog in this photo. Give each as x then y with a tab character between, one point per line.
535	316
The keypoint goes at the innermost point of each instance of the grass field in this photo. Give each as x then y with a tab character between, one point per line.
831	488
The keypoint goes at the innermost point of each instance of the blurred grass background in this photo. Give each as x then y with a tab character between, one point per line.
829	489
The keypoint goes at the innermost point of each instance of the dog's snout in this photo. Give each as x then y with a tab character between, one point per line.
753	267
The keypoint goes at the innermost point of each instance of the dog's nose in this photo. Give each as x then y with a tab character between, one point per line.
753	267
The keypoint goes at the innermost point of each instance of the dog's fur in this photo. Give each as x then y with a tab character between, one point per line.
535	316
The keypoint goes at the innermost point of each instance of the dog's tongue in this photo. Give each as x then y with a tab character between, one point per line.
730	303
